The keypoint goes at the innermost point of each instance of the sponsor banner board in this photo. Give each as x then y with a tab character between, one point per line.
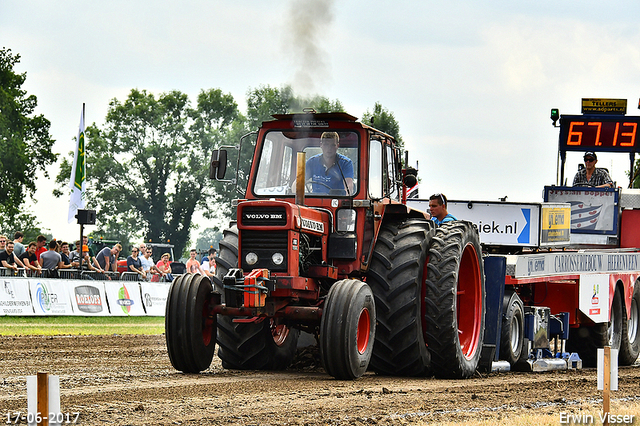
555	227
594	296
50	297
124	298
88	297
154	297
593	210
507	224
572	263
15	298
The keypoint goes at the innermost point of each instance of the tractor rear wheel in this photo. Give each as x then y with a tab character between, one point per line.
266	345
455	300
189	328
630	345
396	276
347	329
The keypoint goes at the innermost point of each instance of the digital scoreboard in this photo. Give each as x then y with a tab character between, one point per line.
606	133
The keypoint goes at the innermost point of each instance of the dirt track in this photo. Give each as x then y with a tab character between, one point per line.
128	380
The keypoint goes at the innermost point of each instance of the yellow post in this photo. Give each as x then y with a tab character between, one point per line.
606	386
300	178
43	398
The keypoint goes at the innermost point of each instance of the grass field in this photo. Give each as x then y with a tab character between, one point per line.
73	325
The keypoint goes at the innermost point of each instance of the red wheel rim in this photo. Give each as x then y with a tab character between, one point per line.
280	332
207	325
364	330
469	302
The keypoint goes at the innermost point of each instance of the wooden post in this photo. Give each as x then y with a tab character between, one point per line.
300	178
43	398
606	388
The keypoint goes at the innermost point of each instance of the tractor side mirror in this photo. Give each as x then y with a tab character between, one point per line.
218	164
410	178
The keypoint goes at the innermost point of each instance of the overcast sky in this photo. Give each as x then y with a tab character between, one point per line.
470	83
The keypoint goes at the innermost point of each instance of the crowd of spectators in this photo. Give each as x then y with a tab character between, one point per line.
52	259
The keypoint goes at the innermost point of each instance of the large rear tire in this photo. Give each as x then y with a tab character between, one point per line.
347	329
630	345
455	300
189	328
266	345
396	276
512	333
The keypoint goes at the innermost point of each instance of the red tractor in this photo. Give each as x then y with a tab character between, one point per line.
325	243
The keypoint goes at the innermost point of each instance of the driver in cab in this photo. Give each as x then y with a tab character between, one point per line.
592	176
330	171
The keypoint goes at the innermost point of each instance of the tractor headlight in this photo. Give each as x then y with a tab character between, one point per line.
346	220
277	258
251	258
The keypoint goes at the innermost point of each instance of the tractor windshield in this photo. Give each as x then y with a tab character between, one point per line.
331	163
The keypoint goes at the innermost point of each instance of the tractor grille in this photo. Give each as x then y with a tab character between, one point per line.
264	216
264	244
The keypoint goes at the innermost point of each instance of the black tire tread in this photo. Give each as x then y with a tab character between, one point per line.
395	276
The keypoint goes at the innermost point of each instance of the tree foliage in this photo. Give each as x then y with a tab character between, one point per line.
147	168
25	142
383	120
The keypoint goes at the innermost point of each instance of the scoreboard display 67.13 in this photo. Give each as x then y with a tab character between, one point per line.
607	133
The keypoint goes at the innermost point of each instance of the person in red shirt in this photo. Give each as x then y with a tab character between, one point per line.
41	242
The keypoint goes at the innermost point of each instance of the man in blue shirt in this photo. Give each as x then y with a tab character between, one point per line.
438	208
330	171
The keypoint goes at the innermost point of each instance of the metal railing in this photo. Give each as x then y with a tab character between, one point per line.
76	274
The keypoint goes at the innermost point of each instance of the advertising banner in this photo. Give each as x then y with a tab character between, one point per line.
124	298
507	224
593	210
50	297
154	296
15	298
88	297
594	297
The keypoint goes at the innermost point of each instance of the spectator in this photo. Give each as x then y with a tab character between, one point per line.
209	265
148	265
193	266
51	259
3	243
143	249
75	255
164	266
41	242
64	253
86	262
29	258
134	264
591	175
106	259
438	208
18	248
8	260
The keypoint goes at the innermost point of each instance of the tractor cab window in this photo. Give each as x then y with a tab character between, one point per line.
331	163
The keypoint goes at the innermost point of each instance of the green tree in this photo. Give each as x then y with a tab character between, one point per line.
208	238
383	120
147	168
25	142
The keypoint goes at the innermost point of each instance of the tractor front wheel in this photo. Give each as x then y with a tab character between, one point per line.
347	329
190	329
